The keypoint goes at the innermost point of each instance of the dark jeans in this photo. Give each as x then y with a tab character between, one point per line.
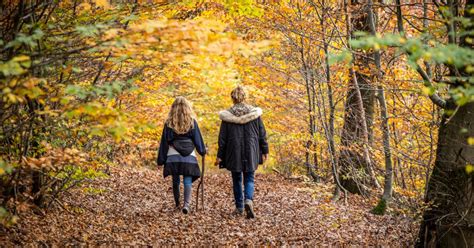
248	187
188	182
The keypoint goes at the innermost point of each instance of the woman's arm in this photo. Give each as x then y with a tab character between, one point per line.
262	137
198	140
163	150
222	141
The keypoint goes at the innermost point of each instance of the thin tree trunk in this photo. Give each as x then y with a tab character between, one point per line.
329	125
306	77
387	193
388	184
314	173
430	160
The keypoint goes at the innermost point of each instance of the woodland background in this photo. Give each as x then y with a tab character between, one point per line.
354	94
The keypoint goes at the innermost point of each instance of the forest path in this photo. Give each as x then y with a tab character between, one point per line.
134	206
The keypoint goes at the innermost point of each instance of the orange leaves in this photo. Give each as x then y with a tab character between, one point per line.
102	3
150	26
112	33
89	5
18	90
55	158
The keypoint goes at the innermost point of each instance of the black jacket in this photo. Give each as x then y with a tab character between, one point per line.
168	135
242	141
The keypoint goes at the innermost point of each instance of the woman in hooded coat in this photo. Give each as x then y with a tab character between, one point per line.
242	147
181	128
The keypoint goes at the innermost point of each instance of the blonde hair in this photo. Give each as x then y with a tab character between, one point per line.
238	94
181	116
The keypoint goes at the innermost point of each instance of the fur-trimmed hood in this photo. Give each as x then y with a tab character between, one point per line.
227	116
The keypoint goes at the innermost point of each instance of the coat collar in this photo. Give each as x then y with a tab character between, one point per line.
227	116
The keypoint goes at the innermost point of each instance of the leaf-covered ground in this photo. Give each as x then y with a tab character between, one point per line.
134	206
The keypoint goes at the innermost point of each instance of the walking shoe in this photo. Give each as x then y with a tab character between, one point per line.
239	211
187	199
249	209
185	210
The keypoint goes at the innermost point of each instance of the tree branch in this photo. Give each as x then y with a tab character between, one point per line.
435	98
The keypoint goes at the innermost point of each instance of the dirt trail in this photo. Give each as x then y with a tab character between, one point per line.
134	206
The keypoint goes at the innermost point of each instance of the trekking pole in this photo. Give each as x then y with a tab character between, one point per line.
201	185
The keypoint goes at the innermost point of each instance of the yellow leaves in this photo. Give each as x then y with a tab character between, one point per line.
150	26
321	53
111	33
469	168
470	141
471	10
427	56
102	3
470	69
377	47
84	7
16	66
21	58
469	40
428	91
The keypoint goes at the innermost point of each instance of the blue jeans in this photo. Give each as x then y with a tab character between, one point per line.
248	187
187	180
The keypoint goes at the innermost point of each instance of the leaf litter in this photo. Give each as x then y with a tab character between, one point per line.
134	206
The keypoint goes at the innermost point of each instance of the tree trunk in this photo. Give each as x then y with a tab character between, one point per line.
388	183
309	85
449	222
354	164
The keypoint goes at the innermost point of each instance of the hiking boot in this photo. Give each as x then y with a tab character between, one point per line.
176	196
187	199
239	211
249	209
185	210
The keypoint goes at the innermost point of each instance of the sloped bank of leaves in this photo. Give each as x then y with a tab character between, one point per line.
134	206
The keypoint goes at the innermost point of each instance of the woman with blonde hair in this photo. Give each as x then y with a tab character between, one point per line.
180	137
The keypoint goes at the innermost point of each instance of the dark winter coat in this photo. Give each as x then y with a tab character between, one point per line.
175	164
242	140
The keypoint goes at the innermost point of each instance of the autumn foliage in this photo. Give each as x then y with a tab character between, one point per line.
86	86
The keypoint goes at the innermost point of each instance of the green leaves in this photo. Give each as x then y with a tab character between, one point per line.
90	30
344	57
419	48
16	66
76	91
5	168
429	50
129	18
110	90
25	39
